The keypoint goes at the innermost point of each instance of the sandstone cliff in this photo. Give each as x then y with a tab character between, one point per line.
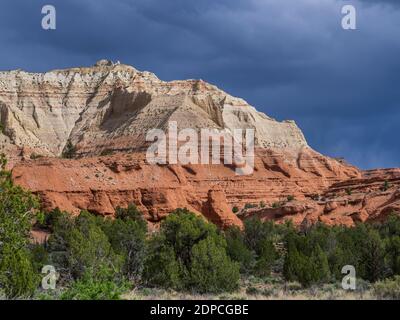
109	108
112	107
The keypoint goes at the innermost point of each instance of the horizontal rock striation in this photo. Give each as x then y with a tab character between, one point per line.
369	198
100	184
111	107
105	112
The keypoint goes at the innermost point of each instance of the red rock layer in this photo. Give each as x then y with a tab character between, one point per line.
369	198
100	184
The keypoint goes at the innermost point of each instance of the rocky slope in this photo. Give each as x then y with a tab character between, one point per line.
109	108
112	107
372	197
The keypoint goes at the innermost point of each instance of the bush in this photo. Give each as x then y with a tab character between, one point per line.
90	249
160	266
393	254
276	205
18	209
17	275
79	246
290	198
238	251
265	259
189	253
131	214
127	235
260	238
388	289
371	264
235	209
250	206
69	150
305	266
257	232
211	269
374	258
40	256
385	186
89	288
319	266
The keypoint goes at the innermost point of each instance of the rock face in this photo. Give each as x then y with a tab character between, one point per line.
372	197
105	112
112	107
100	184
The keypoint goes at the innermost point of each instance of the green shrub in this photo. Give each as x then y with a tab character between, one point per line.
290	198
182	230
257	232
293	263
393	254
89	288
305	267
211	269
131	213
188	253
252	291
89	248
385	186
17	275
371	263
79	246
40	256
128	240
388	289
235	209
127	236
69	150
391	227
250	206
265	259
276	205
18	209
160	266
238	251
319	266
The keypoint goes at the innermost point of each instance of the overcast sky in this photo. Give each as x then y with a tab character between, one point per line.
289	58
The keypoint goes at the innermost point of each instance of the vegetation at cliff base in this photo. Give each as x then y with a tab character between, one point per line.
104	258
189	253
18	208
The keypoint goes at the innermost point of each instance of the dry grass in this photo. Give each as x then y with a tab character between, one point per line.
258	289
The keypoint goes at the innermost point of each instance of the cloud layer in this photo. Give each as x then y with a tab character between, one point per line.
291	59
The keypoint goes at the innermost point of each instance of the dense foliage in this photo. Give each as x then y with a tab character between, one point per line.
101	258
17	211
189	253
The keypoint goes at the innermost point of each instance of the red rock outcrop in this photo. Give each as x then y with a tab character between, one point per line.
370	198
100	184
109	108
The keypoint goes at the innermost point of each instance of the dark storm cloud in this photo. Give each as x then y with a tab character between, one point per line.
290	59
380	2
